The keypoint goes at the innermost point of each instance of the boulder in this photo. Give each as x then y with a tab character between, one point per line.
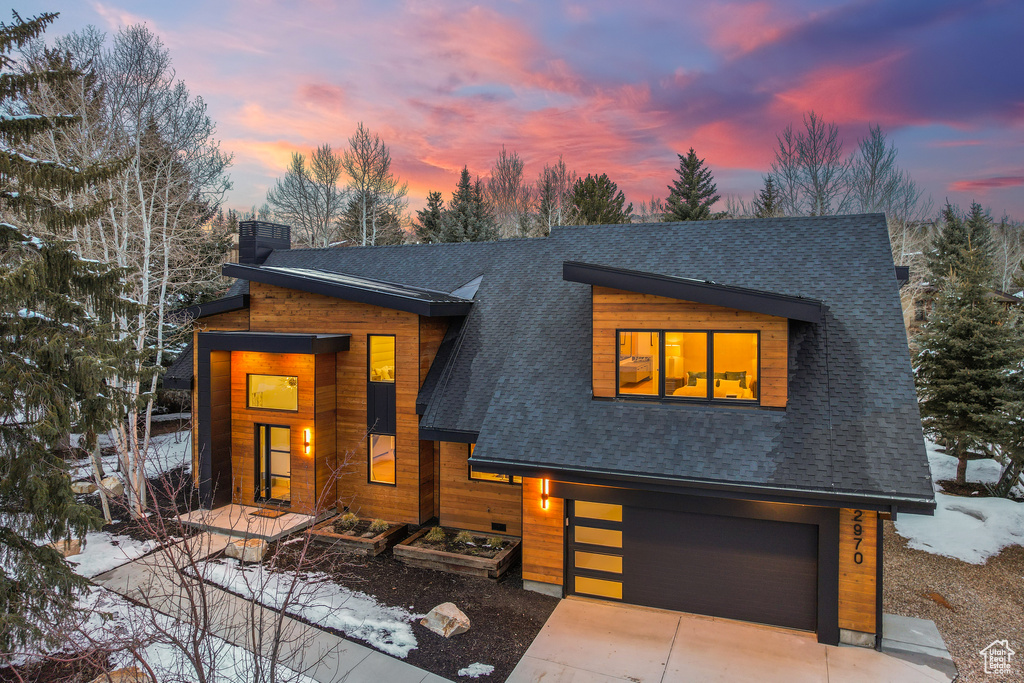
251	550
81	487
113	486
446	620
132	674
68	548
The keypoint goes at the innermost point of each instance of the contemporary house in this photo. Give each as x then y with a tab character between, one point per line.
711	417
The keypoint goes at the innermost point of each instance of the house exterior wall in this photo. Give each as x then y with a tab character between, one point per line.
543	535
476	505
615	309
858	570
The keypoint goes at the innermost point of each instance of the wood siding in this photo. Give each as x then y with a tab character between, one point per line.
244	419
428	481
475	505
858	573
432	331
543	534
276	309
325	438
220	419
615	309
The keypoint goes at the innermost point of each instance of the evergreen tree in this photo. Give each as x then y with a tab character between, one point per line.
1008	421
766	204
691	196
388	225
965	351
596	200
429	225
467	217
57	348
958	242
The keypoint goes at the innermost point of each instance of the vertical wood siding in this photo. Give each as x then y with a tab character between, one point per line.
543	533
325	438
858	580
616	309
474	505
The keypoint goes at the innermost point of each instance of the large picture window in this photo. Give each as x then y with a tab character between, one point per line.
698	365
272	392
382	459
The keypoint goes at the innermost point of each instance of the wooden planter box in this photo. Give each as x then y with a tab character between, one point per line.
369	547
428	558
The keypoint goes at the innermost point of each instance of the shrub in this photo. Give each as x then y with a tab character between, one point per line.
349	520
435	535
494	542
379	526
464	537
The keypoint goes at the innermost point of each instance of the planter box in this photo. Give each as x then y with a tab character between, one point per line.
457	563
369	547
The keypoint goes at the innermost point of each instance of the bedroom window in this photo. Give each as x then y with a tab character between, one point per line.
698	365
382	358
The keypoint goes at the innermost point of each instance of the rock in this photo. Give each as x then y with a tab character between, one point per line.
446	620
68	548
132	674
251	550
83	487
113	486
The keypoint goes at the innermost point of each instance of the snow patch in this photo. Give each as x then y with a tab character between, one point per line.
476	670
104	551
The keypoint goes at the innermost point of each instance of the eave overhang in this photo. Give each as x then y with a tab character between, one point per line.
225	305
700	291
425	302
273	342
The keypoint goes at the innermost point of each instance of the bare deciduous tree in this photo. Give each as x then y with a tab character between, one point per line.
377	192
309	198
510	198
810	168
554	196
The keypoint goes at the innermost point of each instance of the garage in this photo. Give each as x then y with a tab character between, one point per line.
752	569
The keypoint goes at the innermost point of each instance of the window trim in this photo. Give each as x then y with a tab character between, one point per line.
511	481
709	399
369	460
271	410
369	349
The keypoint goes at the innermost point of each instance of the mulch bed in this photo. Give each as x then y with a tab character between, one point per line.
480	548
505	618
972	605
52	671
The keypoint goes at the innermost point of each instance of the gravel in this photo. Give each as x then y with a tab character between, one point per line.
986	601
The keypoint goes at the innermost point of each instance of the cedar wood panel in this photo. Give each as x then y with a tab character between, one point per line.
276	309
474	505
543	550
432	331
858	581
615	309
325	439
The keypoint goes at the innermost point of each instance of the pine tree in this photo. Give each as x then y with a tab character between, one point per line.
966	350
596	200
766	204
57	348
467	217
1008	421
429	224
691	196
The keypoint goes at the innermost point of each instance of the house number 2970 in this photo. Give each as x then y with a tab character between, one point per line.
858	536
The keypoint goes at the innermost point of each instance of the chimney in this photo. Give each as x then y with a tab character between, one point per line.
256	239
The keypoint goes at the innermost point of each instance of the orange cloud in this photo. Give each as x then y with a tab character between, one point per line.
983	185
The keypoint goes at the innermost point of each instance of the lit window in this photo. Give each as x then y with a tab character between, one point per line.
273	392
382	358
735	365
639	360
686	364
382	459
488	476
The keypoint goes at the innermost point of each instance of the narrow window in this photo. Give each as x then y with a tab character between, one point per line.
382	459
686	364
272	392
382	358
735	376
488	476
639	359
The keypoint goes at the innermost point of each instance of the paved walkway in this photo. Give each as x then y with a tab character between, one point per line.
600	642
322	656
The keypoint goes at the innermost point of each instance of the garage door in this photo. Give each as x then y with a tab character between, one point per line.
734	567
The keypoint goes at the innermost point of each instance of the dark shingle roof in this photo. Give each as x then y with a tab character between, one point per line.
179	373
518	370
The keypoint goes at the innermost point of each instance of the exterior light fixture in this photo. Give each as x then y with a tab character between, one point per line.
543	494
306	436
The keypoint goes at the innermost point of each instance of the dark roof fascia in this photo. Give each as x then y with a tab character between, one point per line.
727	296
224	305
902	276
872	501
450	435
271	342
367	295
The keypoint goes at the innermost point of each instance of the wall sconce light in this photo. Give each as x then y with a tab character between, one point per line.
543	494
306	436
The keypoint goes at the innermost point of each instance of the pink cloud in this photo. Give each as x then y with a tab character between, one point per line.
737	28
985	184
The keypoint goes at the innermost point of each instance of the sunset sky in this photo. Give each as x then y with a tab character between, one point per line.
614	87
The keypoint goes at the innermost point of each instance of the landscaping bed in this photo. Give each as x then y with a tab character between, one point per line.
450	550
355	535
505	618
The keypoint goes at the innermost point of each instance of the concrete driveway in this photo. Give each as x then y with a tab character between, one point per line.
587	640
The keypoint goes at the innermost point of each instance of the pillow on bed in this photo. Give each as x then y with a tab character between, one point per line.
692	377
741	376
699	389
728	387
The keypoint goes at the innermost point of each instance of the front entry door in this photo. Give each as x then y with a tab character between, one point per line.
273	463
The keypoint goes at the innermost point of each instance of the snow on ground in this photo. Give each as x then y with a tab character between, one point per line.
968	529
319	600
107	619
166	452
476	670
104	551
